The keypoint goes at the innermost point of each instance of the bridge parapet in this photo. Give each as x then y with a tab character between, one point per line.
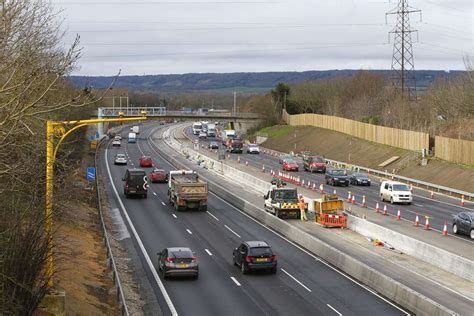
162	112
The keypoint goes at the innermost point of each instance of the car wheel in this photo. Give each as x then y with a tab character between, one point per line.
472	233
243	268
391	200
455	229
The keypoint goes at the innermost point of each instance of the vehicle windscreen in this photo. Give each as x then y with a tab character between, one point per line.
338	173
318	159
136	178
286	195
400	187
290	161
253	145
120	156
181	254
260	251
360	175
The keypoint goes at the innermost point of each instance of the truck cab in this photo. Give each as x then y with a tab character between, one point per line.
282	202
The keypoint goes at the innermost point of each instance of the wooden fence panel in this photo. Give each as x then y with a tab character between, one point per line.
456	150
380	134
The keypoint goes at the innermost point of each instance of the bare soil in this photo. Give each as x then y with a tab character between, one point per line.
343	147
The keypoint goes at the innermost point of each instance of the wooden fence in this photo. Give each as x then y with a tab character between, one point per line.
380	134
456	150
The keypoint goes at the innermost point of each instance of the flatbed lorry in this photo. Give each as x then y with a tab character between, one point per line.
282	202
187	191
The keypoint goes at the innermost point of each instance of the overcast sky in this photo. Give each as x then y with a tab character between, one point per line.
161	37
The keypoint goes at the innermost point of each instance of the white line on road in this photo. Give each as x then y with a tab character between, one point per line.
296	280
189	232
174	215
235	281
163	203
208	252
154	193
334	309
420	205
232	231
213	216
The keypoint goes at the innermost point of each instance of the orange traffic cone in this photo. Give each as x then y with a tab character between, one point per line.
411	188
309	184
349	197
377	208
321	188
398	214
263	168
302	183
246	163
427	223
334	192
432	195
462	200
417	221
363	201
385	212
445	229
353	201
238	159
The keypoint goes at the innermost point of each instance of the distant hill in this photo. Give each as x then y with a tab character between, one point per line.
241	82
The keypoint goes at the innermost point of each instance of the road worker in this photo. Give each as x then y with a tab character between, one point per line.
302	207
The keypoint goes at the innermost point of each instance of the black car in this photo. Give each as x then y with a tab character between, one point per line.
359	178
213	145
136	183
463	223
178	261
337	177
255	255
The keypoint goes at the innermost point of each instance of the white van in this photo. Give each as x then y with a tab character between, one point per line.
135	129
395	192
132	137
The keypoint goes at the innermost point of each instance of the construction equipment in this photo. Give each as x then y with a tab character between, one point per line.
330	211
282	202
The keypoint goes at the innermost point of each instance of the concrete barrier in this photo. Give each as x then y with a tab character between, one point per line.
439	257
390	288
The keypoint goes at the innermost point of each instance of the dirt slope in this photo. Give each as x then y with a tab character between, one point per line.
342	147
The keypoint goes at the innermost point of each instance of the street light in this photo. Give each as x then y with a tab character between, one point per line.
58	129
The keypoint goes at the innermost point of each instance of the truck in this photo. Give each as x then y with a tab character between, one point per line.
187	191
135	129
132	137
211	130
197	127
227	134
282	202
234	145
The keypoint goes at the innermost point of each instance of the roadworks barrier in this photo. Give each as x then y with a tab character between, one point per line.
388	287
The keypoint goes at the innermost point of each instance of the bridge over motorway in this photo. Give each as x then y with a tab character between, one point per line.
242	121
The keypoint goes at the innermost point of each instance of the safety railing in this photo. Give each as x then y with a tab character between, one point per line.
162	112
115	276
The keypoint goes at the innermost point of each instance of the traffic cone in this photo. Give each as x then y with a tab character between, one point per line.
349	197
417	221
309	184
445	229
246	163
398	214
228	156
263	168
462	200
432	195
314	186
353	201
363	201
427	223
321	188
411	188
385	212
377	208
238	159
302	183
334	192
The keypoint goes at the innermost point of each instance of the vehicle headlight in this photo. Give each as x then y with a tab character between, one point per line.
395	195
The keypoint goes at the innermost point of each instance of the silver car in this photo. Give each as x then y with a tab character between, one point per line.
178	261
120	159
253	149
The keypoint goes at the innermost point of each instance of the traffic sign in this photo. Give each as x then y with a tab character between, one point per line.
91	138
90	174
97	135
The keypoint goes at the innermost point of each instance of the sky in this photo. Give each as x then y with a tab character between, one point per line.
148	37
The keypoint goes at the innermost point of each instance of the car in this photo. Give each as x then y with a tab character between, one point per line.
202	135
337	177
178	261
120	159
116	143
463	223
146	161
158	175
135	183
289	165
213	145
117	137
253	149
314	163
359	178
284	157
395	192
253	256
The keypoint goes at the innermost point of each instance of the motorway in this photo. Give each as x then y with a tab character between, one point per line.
302	286
439	211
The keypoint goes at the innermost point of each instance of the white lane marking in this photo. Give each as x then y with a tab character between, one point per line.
232	231
420	205
235	281
163	203
189	232
298	247
212	216
446	203
154	193
140	244
296	280
174	215
335	310
208	252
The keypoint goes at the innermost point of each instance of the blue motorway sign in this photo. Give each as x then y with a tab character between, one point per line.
91	138
91	174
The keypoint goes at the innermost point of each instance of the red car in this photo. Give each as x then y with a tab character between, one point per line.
289	165
145	161
314	163
159	175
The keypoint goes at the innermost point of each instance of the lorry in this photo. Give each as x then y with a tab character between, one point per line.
132	137
227	134
282	201
329	211
197	127
187	191
135	129
234	145
211	130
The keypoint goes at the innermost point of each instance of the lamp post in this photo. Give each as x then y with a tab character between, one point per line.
58	129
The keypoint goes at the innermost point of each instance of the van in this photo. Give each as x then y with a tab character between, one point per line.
135	183
395	192
132	137
135	129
